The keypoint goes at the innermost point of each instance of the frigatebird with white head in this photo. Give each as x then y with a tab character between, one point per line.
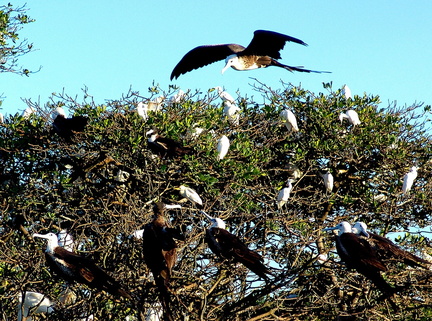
358	254
76	268
228	246
160	252
387	250
165	147
67	127
263	51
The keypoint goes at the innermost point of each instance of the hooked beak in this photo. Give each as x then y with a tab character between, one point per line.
42	236
206	215
330	228
228	64
172	206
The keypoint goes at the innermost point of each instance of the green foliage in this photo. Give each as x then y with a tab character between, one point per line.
366	161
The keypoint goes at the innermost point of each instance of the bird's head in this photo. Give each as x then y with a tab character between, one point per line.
52	241
230	61
360	228
152	134
342	227
217	222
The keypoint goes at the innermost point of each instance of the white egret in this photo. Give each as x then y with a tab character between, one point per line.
222	147
284	194
142	110
27	112
36	302
290	120
352	117
409	180
346	91
225	96
190	194
1	118
328	181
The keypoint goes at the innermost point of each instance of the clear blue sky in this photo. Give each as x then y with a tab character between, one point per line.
377	47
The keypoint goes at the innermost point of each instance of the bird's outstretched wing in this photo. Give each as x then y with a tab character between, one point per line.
269	43
202	56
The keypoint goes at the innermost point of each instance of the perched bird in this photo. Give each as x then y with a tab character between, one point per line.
1	118
284	194
222	147
328	181
142	111
387	250
76	268
263	51
160	252
67	127
289	119
35	302
225	96
358	254
409	180
228	246
346	91
352	117
190	194
27	112
166	147
177	97
230	111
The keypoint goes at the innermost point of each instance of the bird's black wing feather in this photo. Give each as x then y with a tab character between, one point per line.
202	56
269	43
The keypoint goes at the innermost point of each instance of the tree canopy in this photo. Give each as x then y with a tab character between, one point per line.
48	182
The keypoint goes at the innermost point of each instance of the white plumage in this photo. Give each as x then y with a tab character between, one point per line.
225	96
328	181
290	120
34	301
352	117
142	110
27	112
284	195
346	91
222	147
190	194
409	180
1	118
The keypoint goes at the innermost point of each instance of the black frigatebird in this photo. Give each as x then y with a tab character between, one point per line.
76	268
67	127
228	246
358	254
263	51
160	252
387	250
165	147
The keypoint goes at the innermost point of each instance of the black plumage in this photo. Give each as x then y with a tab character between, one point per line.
261	52
67	127
160	253
166	147
228	246
387	250
73	267
360	256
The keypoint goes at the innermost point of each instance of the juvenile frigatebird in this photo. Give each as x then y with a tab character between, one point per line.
165	147
67	127
160	252
387	250
263	51
76	268
358	254
228	246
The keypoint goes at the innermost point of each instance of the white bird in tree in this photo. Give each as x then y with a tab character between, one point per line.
409	180
328	181
352	117
225	96
284	194
142	110
27	112
177	97
35	302
222	147
346	92
290	120
190	194
1	118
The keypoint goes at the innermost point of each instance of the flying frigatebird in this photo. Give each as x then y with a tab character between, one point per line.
263	51
387	250
229	246
66	127
165	147
358	254
76	268
160	252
